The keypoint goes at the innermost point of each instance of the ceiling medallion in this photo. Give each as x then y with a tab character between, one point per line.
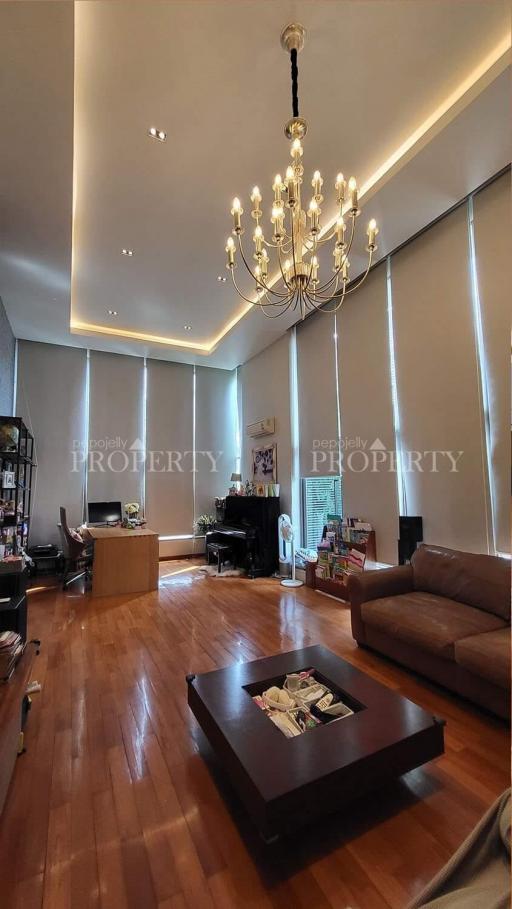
298	236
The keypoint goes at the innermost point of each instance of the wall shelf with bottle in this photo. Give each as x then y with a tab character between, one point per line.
17	470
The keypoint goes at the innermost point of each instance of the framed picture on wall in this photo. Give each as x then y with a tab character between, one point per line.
264	465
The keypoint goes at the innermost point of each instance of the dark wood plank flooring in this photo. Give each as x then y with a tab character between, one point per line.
120	804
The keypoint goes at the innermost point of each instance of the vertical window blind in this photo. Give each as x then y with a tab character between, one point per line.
51	399
116	410
169	441
318	405
491	212
438	388
215	435
367	412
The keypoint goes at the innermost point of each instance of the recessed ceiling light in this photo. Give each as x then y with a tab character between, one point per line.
221	278
187	327
112	312
127	252
157	134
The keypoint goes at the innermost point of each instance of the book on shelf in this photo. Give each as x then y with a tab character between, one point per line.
11	648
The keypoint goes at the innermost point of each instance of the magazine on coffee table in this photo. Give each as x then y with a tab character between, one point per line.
302	702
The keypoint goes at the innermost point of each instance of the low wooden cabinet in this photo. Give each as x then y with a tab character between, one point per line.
12	694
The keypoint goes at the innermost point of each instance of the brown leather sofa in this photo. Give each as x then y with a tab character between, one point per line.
446	616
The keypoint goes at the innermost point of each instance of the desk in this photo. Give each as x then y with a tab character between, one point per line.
125	561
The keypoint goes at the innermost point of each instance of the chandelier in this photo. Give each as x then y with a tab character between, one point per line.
297	236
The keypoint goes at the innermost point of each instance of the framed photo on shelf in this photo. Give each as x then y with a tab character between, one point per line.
264	466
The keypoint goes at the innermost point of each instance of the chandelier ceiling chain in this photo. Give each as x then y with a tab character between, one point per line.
296	283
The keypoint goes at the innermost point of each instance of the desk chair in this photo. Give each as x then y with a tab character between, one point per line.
77	554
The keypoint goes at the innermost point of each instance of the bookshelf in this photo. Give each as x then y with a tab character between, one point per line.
17	467
337	587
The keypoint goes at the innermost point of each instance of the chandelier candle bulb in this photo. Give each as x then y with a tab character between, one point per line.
317	182
352	189
314	269
341	187
237	211
230	249
291	186
258	240
277	186
296	150
340	231
372	233
314	214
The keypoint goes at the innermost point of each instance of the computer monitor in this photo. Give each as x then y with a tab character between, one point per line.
104	512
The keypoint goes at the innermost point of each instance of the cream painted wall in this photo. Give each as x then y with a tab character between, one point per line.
265	392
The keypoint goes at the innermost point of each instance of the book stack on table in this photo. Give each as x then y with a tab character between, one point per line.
11	648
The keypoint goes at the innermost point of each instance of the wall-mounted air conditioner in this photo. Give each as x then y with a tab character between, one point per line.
261	428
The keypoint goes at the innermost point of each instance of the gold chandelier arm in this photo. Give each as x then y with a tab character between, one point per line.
318	293
239	292
277	245
323	307
254	302
280	257
327	284
323	287
363	278
258	281
277	314
352	234
319	241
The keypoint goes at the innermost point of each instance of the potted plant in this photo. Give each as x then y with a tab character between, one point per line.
131	510
204	523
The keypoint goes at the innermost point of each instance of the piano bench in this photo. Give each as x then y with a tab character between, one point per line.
222	551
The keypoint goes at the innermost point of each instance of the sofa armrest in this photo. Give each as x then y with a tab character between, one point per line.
382	582
370	585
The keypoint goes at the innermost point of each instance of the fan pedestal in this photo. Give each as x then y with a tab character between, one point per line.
291	582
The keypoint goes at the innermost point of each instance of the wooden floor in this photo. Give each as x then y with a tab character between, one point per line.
119	802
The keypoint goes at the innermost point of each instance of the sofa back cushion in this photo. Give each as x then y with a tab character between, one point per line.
482	581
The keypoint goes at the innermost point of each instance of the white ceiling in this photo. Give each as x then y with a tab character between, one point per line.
78	94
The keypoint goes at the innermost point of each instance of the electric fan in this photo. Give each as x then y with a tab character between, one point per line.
285	537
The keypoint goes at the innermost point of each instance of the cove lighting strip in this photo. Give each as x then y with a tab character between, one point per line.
477	80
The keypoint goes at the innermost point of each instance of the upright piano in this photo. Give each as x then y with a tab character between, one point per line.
250	527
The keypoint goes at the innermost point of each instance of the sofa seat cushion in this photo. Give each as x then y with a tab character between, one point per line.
486	655
427	621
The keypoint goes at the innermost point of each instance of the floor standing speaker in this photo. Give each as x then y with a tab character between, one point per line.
411	533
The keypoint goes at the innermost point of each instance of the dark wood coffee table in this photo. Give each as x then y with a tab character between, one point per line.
285	782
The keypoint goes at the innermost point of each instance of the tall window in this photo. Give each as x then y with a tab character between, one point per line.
320	496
